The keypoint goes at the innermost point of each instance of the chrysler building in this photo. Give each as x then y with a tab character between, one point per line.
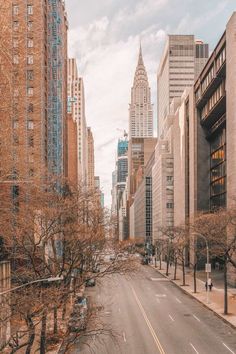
141	108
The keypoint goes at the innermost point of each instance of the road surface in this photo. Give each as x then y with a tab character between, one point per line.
151	315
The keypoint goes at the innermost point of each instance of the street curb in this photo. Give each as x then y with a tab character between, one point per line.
193	297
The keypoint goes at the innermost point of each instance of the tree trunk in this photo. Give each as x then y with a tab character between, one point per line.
175	272
167	266
43	333
55	327
225	287
167	261
64	311
160	261
31	328
183	269
195	278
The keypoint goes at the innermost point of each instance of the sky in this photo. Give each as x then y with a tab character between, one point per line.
104	37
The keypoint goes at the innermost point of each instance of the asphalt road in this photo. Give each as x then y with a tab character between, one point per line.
149	314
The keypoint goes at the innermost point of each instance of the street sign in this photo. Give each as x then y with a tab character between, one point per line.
208	267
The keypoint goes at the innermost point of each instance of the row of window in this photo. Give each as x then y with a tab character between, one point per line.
30	43
213	100
16	10
16	59
30	124
16	25
221	59
206	82
30	92
210	76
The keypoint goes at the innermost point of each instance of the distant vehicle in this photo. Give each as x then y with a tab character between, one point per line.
90	282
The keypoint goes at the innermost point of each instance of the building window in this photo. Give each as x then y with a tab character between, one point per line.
30	125
30	43
30	75
15	124
30	9
30	91
30	59
30	108
16	92
15	10
15	25
30	25
31	173
218	170
31	141
170	205
15	43
15	59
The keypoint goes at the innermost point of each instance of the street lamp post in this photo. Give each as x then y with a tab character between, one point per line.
207	267
49	280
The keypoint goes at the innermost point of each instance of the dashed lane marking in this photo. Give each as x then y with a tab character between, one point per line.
196	318
160	295
171	318
124	337
194	348
180	302
231	351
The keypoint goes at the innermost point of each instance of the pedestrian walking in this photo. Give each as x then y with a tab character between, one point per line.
210	284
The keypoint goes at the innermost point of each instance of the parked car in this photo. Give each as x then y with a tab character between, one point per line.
90	282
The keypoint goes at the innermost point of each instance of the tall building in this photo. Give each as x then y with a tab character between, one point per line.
141	109
121	166
181	62
91	167
72	161
139	152
33	77
142	206
83	136
76	106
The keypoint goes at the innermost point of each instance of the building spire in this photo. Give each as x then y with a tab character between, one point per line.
140	58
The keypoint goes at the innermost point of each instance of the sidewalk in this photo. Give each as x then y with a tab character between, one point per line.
216	296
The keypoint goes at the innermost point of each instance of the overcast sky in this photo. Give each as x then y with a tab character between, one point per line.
104	37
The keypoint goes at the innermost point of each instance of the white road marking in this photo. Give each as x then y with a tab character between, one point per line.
119	309
160	279
231	351
124	337
178	300
153	333
196	318
171	318
194	348
161	295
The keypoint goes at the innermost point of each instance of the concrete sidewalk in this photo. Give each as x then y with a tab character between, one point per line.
216	296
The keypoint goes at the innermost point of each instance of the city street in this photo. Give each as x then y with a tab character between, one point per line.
151	315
